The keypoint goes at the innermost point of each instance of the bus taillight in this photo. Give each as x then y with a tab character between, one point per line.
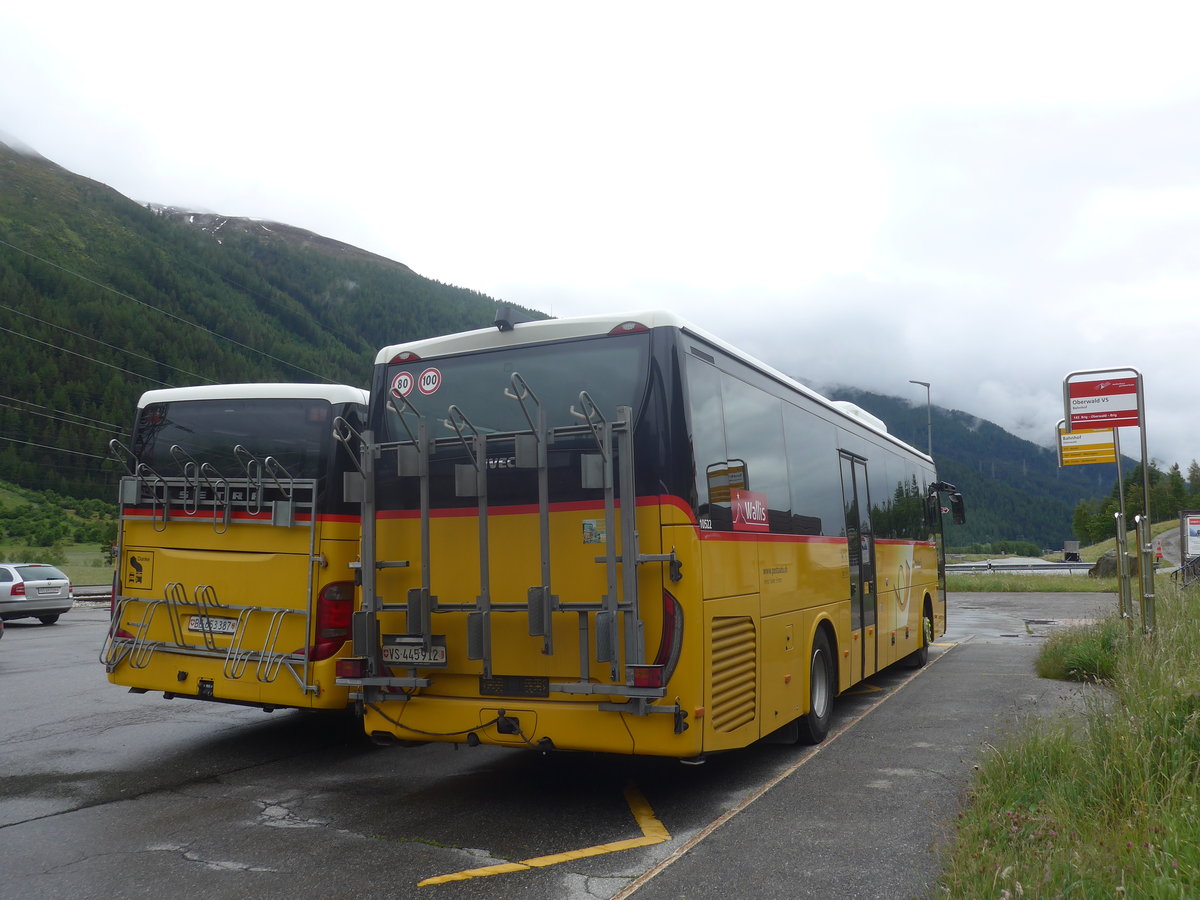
334	606
112	611
629	328
671	643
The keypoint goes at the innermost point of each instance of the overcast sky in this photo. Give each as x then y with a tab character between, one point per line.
984	197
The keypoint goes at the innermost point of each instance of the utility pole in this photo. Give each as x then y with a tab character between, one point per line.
928	412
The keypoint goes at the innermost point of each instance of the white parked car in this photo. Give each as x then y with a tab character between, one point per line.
34	590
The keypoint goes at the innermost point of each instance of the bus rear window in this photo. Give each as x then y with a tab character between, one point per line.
296	432
611	369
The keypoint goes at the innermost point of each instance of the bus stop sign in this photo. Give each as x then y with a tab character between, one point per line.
1106	403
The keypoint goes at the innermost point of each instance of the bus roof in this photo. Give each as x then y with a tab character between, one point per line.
334	393
592	326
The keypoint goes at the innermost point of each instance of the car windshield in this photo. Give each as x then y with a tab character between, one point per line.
39	573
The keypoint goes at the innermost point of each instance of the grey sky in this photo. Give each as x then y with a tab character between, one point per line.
983	197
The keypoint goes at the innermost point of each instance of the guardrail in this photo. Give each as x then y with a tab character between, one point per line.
92	593
1063	567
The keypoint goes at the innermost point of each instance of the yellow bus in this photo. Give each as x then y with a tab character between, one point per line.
233	573
621	534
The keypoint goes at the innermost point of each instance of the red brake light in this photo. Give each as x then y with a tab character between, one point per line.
18	589
112	613
335	604
402	357
629	328
670	645
647	676
351	667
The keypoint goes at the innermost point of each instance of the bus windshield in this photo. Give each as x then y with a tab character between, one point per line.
613	371
296	432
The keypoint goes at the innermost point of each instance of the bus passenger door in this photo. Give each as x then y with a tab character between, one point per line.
860	545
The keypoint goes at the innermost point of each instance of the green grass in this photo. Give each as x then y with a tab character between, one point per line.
1017	581
1086	653
83	563
1107	804
1093	552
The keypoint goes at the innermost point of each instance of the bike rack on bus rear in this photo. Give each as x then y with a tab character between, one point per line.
610	467
184	497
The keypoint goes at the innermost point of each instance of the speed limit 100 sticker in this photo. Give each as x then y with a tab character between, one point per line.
402	384
429	381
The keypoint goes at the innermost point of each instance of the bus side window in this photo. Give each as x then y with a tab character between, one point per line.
707	423
813	468
754	437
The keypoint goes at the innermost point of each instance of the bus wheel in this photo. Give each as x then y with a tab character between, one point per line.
821	687
920	656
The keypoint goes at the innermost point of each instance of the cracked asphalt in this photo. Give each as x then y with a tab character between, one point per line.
108	794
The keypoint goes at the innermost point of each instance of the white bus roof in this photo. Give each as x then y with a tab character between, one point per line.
334	393
589	326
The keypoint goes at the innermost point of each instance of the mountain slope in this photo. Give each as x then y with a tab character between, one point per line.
102	298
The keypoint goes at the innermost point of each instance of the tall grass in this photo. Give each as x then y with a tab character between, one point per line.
1107	805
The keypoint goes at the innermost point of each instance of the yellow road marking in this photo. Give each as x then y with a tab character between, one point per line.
653	832
863	688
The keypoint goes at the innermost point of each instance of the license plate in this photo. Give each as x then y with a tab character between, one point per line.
212	625
409	650
44	591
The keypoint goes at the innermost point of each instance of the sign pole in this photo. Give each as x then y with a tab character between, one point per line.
1117	401
1126	588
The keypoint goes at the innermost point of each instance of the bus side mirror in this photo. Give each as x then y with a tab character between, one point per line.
958	508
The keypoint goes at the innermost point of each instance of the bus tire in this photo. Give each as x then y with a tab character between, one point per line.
822	684
919	657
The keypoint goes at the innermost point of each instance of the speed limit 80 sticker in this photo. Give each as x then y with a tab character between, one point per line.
402	384
427	382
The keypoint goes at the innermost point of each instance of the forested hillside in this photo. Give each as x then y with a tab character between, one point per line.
102	299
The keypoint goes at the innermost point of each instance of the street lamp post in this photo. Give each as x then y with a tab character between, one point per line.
928	413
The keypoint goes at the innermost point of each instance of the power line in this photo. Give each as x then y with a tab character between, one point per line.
103	426
85	337
5	437
83	356
169	315
76	415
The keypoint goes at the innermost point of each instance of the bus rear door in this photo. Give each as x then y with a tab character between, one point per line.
860	546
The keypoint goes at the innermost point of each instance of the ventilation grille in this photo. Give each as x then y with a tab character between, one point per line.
734	673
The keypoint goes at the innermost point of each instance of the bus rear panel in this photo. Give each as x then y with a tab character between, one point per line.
624	536
234	576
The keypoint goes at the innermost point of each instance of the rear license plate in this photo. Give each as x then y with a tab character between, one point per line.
47	591
212	625
409	650
514	686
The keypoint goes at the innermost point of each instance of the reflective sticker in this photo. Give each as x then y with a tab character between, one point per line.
594	531
139	570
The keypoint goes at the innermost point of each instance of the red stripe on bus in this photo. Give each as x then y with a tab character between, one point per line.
742	537
207	516
524	509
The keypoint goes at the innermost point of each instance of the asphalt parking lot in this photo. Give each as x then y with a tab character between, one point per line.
107	794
